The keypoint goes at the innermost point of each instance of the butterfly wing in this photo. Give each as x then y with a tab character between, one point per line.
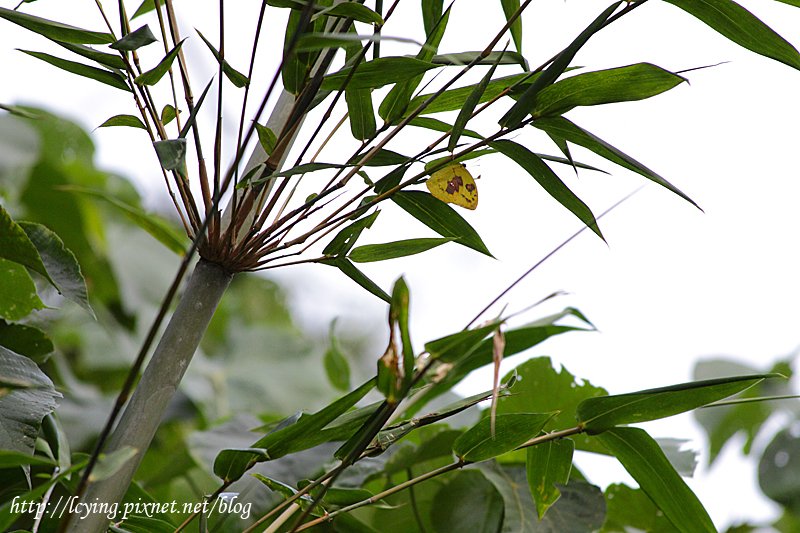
454	185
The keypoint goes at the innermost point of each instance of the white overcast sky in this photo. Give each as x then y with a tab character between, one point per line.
672	285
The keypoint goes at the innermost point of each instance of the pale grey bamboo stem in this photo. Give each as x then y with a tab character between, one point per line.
160	380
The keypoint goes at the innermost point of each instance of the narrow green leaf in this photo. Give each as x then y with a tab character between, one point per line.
335	363
55	30
509	8
564	129
549	181
171	153
361	112
129	121
11	458
349	270
145	7
522	108
347	236
439	125
159	228
492	58
168	114
622	84
61	264
113	61
305	168
233	75
431	13
390	180
392	250
469	106
266	137
398	316
16	245
377	73
548	465
17	292
26	340
135	40
232	464
152	76
644	460
457	346
599	414
441	218
353	10
453	99
109	464
512	430
195	110
103	76
382	158
742	27
436	164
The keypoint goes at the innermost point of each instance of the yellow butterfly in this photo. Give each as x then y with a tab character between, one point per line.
454	185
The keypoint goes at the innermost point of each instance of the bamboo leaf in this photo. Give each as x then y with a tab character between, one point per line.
431	13
129	121
55	30
469	106
171	153
623	84
522	108
233	75
392	250
11	458
353	10
509	8
564	129
135	40
742	27
441	218
439	125
459	346
510	431
549	181
644	460
113	61
109	464
349	270
377	73
98	74
453	99
548	465
267	138
347	236
361	112
168	114
145	7
154	75
335	363
492	58
604	412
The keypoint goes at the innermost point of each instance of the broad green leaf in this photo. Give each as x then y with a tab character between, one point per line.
123	120
109	464
392	250
511	431
432	442
548	465
336	366
622	84
465	114
492	58
168	114
353	10
232	464
549	181
742	27
347	236
16	245
22	409
628	509
17	292
171	153
439	125
440	217
453	99
468	502
266	137
509	8
135	40
113	61
564	129
604	412
154	75
349	270
157	227
103	76
521	109
361	112
11	458
377	73
459	346
55	30
777	468
395	103
644	460
233	75
431	13
26	340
